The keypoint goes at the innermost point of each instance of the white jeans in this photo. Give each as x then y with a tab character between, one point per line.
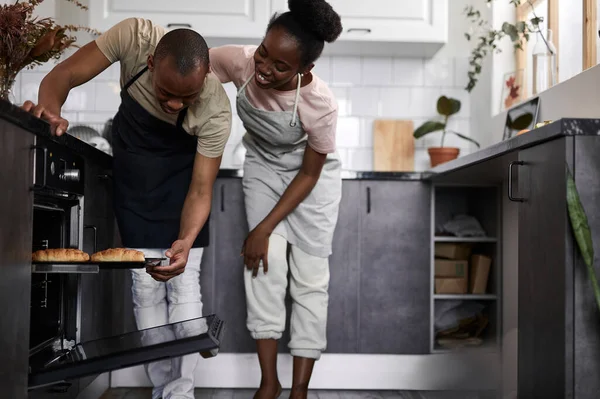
156	303
309	284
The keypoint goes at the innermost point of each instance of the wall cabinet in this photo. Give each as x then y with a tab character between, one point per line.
224	19
416	29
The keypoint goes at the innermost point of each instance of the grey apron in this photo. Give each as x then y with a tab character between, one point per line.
275	144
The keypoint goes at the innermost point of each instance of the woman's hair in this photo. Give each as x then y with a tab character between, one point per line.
311	23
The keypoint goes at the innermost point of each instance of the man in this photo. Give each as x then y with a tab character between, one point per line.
168	139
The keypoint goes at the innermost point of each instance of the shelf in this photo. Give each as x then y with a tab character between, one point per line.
479	297
482	348
465	239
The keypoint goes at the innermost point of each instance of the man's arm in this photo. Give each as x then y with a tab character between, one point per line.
196	209
83	65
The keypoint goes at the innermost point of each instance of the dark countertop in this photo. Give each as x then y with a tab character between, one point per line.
559	128
27	121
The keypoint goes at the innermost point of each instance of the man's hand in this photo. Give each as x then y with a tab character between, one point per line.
58	125
256	249
178	255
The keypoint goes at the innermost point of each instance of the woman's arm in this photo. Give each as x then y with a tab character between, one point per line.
227	62
256	245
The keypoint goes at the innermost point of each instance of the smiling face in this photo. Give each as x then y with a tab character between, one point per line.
173	90
277	61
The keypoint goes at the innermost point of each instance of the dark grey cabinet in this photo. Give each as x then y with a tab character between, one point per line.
230	231
394	289
16	222
344	274
379	270
543	227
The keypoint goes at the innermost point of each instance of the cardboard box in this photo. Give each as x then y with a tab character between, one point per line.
451	285
452	251
480	271
451	268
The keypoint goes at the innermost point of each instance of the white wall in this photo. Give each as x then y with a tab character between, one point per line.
366	88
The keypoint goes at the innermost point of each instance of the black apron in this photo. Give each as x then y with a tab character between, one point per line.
152	170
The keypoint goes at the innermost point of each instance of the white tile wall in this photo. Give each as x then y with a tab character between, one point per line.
365	89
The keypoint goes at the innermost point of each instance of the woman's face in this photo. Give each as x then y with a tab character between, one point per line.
277	60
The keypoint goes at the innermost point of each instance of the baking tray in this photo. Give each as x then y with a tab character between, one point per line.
90	267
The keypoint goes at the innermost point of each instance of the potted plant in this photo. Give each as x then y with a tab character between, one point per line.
446	107
27	41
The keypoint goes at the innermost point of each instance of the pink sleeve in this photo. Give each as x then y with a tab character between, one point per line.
230	62
321	133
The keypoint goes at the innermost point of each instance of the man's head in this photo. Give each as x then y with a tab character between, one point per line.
179	66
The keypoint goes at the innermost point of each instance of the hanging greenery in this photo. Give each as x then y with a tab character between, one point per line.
487	38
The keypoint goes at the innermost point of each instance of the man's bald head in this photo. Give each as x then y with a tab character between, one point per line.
187	48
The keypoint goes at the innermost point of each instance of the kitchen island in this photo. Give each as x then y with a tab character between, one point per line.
382	299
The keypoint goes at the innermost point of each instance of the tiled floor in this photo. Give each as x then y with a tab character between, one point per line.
247	394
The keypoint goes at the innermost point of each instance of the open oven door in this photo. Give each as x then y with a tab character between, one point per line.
201	335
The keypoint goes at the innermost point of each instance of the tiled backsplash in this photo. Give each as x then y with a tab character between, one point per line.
366	89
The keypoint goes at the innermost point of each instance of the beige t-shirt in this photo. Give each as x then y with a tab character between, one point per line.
130	42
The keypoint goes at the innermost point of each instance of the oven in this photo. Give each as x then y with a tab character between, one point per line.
57	355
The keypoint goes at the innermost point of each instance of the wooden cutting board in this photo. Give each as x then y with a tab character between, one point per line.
393	145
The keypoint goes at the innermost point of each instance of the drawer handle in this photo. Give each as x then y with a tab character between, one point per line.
359	30
510	193
179	25
222	198
368	199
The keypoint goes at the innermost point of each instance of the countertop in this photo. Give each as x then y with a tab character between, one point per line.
560	128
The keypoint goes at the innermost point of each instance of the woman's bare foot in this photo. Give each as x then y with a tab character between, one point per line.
268	391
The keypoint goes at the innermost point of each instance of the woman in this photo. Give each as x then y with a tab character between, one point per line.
292	183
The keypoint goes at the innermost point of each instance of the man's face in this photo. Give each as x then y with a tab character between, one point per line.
173	90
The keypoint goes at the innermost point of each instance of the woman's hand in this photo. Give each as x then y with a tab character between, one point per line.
256	249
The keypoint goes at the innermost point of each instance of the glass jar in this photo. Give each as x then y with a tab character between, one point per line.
544	62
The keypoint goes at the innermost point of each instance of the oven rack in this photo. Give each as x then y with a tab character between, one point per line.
89	267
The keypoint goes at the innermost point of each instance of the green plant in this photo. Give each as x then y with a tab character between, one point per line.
487	38
581	231
446	107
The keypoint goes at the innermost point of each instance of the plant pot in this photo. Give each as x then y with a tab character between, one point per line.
439	155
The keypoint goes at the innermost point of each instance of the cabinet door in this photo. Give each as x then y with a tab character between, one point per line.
342	320
543	296
231	229
225	18
394	291
389	20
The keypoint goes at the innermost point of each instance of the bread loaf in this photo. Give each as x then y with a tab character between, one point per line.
60	255
118	255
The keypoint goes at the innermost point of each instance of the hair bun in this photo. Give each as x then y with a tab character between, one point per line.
318	17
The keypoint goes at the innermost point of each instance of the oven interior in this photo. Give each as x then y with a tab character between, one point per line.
53	307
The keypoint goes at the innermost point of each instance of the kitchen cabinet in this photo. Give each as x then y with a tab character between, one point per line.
415	28
16	214
223	19
231	229
543	225
395	230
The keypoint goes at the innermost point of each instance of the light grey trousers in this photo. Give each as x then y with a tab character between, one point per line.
309	283
156	304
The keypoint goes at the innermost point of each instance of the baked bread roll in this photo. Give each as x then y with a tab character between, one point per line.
60	255
118	255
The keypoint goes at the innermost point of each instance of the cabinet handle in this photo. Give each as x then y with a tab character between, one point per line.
95	236
510	193
359	30
222	198
34	148
180	25
368	199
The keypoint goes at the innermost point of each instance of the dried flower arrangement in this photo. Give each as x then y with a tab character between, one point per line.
27	41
